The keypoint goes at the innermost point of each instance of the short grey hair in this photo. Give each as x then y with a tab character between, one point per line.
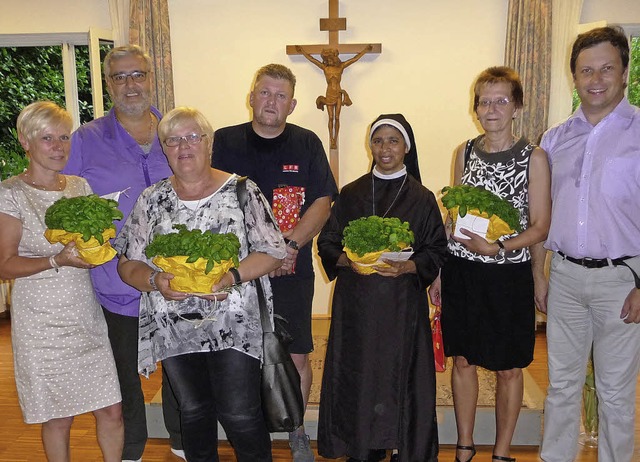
120	52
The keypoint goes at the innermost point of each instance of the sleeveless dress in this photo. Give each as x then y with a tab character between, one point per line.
488	312
62	356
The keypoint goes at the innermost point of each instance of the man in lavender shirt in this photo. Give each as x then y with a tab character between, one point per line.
120	155
594	297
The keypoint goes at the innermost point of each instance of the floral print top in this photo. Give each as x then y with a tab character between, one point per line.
169	328
505	174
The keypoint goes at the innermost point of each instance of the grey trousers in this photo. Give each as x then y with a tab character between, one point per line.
583	309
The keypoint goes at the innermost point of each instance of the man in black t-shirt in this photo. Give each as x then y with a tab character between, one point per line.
285	161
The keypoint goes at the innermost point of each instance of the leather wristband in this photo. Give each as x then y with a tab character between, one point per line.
293	244
237	279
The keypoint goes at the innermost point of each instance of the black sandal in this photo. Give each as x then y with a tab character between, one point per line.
502	458
466	448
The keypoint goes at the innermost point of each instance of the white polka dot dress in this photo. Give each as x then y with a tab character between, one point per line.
62	357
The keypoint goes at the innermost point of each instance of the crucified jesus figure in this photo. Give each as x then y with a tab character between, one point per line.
335	97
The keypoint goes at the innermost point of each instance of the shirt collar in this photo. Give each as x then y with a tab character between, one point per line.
624	110
389	176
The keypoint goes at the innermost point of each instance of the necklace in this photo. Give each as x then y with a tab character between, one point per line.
373	194
481	145
58	186
150	133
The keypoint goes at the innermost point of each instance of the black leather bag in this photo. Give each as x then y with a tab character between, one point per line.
282	403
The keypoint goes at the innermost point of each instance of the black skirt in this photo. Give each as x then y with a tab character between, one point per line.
488	313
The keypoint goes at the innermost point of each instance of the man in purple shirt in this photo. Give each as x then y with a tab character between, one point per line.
120	155
594	296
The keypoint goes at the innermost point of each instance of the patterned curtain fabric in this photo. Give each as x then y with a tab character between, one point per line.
149	28
528	51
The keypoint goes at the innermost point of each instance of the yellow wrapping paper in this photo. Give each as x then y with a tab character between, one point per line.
90	251
497	226
365	263
190	277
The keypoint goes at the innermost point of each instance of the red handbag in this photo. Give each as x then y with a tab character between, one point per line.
438	347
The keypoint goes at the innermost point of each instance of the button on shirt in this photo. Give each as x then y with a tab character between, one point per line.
595	184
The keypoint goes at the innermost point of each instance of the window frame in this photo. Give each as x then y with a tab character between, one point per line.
68	42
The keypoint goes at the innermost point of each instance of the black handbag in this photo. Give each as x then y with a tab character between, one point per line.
282	403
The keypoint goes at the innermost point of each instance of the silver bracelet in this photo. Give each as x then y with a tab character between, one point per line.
54	264
152	280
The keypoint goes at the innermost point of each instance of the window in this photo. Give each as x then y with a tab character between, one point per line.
64	68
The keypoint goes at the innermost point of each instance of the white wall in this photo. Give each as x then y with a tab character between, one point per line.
432	51
36	16
613	11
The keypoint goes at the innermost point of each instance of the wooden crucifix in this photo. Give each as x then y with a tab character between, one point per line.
333	67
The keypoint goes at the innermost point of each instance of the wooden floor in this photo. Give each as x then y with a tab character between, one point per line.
21	443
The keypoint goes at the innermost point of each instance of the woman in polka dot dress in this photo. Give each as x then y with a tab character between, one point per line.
63	361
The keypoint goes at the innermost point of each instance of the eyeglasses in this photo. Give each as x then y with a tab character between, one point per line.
500	102
121	78
174	141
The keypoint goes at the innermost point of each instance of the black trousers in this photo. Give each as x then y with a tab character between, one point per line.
123	335
219	386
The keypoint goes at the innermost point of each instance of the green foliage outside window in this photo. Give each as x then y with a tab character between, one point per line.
634	72
30	74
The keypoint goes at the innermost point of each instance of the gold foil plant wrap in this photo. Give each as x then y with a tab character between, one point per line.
90	251
197	259
367	238
497	226
87	221
504	218
191	277
365	263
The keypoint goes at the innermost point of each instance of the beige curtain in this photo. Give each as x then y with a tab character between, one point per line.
119	12
566	16
528	50
149	28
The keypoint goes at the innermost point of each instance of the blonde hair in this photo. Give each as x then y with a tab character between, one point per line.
37	116
180	116
277	71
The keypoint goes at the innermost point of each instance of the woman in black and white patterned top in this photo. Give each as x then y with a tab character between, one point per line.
211	350
486	290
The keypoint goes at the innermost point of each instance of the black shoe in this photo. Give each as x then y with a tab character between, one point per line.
466	448
502	458
394	457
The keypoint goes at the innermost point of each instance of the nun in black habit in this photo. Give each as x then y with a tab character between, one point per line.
378	386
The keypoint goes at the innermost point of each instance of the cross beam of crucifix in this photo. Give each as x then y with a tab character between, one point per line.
333	67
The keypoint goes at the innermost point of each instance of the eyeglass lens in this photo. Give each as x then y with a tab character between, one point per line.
497	102
174	141
136	76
